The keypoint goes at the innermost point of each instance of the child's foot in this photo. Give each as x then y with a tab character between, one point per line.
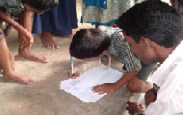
48	41
25	53
17	77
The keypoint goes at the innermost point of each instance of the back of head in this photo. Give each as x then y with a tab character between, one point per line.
42	5
87	43
155	20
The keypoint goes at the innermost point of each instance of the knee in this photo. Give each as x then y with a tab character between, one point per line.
132	86
135	85
138	86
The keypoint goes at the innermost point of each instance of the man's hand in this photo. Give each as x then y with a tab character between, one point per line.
105	88
133	108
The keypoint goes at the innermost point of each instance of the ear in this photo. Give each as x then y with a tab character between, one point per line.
145	41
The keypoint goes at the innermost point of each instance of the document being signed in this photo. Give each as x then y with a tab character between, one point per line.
81	87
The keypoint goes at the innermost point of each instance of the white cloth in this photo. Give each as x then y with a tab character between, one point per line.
169	77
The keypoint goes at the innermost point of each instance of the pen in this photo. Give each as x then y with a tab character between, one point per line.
72	65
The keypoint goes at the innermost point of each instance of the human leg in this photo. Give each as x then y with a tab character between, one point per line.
48	41
139	86
5	63
60	21
23	51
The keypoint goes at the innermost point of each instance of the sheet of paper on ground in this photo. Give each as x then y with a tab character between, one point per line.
82	86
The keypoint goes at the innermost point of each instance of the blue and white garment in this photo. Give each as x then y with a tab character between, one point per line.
104	12
99	3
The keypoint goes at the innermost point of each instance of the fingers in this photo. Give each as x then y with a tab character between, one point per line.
101	93
24	43
76	75
131	103
133	107
128	102
141	106
130	107
100	89
31	81
32	41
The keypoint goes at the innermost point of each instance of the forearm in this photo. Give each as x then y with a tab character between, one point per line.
26	20
125	79
9	20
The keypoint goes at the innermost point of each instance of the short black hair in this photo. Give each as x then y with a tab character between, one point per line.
87	43
155	20
42	5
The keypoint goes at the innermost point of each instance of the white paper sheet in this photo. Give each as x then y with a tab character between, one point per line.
82	86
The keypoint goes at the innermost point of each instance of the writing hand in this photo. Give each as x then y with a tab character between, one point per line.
76	74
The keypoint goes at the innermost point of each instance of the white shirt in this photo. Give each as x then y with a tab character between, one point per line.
169	77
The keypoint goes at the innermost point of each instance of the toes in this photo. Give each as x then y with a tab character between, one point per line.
43	59
56	46
47	46
27	81
30	81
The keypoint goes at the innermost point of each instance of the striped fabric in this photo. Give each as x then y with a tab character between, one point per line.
120	49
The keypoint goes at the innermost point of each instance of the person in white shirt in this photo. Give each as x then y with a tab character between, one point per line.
154	30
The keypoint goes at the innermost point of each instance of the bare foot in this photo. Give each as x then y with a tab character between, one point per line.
48	41
17	77
25	53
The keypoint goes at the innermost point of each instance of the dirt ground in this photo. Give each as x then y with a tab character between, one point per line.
44	96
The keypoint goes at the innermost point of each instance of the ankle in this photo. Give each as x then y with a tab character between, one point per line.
45	33
9	72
